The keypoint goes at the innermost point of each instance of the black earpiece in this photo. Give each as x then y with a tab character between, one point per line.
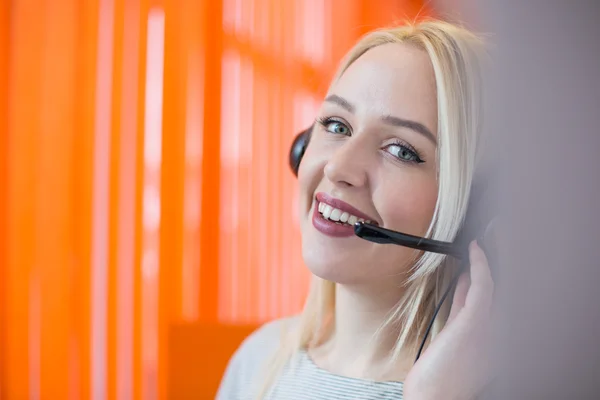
298	148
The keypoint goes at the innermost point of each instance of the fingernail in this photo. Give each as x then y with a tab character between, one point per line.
473	245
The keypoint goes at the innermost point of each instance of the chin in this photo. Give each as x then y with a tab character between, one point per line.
338	268
338	260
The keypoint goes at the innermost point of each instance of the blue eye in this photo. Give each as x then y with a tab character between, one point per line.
404	153
334	126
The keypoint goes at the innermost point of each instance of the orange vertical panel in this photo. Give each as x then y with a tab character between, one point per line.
126	222
100	226
118	79
138	331
54	196
4	51
230	121
171	180
192	33
180	126
243	181
300	25
259	146
265	116
285	124
152	220
173	162
87	42
273	81
24	105
209	258
285	22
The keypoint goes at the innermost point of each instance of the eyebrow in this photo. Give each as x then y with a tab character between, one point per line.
388	119
340	101
415	126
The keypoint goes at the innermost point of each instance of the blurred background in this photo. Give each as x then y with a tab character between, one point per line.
147	212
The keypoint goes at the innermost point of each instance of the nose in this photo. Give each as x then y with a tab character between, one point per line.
347	167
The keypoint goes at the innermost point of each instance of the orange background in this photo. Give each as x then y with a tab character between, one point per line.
147	212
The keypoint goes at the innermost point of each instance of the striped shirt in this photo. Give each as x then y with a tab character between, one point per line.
306	381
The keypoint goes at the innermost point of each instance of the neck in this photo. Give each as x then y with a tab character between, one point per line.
353	349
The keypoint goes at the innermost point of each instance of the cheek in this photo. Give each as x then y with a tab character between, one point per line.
310	175
409	207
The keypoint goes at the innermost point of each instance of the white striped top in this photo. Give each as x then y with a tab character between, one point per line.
306	381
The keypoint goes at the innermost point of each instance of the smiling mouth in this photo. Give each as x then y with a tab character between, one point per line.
338	216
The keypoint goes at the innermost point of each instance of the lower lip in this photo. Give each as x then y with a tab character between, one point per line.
328	227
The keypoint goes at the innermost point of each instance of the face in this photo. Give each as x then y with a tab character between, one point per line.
372	155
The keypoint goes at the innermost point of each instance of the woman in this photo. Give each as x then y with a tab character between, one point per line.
395	142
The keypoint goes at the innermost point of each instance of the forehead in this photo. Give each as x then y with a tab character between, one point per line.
392	79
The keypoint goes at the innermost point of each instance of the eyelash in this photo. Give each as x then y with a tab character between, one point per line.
325	121
413	152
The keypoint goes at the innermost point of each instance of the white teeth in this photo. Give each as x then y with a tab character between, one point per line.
335	215
344	217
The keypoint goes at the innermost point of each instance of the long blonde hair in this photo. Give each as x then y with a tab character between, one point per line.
455	54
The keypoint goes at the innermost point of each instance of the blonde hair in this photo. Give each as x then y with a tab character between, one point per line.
455	55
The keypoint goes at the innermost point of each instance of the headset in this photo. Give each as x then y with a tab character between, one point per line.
478	215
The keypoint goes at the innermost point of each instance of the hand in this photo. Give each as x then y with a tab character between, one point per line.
455	365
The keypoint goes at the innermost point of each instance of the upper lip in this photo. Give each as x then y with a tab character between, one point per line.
342	205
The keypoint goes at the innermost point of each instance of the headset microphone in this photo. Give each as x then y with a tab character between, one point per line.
376	234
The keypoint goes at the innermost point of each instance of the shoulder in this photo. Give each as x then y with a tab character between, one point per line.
252	356
265	340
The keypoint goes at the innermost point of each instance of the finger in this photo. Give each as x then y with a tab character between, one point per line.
481	289
460	295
